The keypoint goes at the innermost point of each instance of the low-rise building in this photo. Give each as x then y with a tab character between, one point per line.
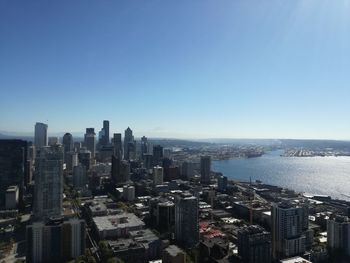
118	225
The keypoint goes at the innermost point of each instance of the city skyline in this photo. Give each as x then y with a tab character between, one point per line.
224	70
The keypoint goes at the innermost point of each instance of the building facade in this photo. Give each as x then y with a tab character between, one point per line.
48	188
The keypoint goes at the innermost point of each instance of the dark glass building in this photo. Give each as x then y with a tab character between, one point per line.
13	166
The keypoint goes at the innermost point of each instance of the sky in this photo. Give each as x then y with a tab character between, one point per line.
179	69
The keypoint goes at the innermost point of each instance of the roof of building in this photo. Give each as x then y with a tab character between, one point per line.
123	220
174	250
295	260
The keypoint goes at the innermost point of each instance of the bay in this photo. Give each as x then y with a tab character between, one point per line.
312	175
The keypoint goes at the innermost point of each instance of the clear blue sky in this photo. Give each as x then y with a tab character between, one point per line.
190	69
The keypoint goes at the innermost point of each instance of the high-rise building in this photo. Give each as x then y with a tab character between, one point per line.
13	166
157	154
67	142
129	143
71	160
90	141
157	175
186	220
84	157
144	146
48	188
287	230
338	234
254	245
40	135
125	171
222	183
205	169
104	134
55	241
129	193
165	216
188	169
79	176
115	171
117	143
53	140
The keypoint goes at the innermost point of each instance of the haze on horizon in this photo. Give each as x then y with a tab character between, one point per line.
179	69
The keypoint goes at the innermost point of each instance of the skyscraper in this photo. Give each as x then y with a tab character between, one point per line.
90	141
40	134
186	219
67	142
128	143
79	176
338	234
117	143
115	172
287	230
48	188
157	175
13	154
254	245
55	241
104	134
205	169
144	146
157	154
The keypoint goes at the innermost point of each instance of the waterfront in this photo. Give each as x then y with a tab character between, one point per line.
313	175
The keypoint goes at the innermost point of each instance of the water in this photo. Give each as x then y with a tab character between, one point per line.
313	175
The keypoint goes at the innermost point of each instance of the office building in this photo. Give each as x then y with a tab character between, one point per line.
157	154
287	230
104	134
128	143
205	167
148	160
11	199
117	144
55	241
222	183
129	193
165	216
338	234
157	175
144	146
173	254
13	166
79	176
67	142
115	171
90	141
53	141
254	245
116	226
186	220
48	188
71	160
188	169
40	134
125	171
84	157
